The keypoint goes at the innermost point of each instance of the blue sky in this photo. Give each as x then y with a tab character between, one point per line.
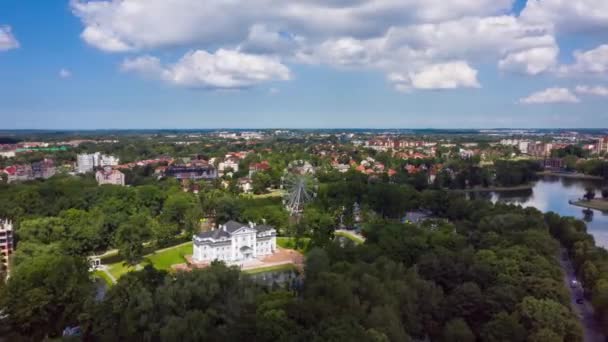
346	63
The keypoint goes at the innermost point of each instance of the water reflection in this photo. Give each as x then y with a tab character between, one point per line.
552	193
587	215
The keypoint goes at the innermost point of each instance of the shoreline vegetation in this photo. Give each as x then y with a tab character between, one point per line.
569	175
527	186
598	204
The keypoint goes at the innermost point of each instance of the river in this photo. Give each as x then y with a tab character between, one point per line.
551	193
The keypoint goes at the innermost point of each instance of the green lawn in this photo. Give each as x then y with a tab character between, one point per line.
117	269
162	260
165	259
273	193
290	243
357	240
104	276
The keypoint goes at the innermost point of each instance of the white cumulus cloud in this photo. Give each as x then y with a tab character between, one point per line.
457	74
591	90
223	69
407	40
532	61
119	25
7	39
551	95
591	62
568	15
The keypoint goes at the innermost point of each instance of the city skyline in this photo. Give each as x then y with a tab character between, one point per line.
270	64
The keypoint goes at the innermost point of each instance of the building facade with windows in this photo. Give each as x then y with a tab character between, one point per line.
88	162
6	242
234	242
110	176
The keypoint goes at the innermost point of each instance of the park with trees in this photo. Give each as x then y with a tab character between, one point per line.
477	272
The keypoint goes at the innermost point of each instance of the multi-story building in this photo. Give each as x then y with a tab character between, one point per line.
234	242
6	243
87	162
539	149
196	170
42	169
230	163
523	146
553	163
110	176
601	145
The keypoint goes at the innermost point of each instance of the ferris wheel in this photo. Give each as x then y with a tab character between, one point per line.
300	189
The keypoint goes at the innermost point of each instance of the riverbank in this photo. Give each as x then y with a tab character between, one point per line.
598	204
527	186
575	175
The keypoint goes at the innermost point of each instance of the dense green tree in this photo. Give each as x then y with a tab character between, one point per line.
260	182
503	328
132	234
45	294
183	210
458	330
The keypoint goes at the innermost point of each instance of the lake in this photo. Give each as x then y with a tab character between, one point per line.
551	193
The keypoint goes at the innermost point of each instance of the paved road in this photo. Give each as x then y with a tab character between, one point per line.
591	329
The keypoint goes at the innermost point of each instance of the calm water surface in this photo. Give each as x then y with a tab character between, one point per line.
552	194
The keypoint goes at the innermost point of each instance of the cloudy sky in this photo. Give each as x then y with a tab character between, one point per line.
307	63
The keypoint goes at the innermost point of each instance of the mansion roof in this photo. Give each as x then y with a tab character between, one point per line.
227	229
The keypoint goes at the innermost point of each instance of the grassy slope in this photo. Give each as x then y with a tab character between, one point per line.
351	237
162	259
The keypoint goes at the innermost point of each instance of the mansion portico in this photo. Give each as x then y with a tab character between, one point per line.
234	242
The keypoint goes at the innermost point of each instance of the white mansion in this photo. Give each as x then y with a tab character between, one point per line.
234	242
